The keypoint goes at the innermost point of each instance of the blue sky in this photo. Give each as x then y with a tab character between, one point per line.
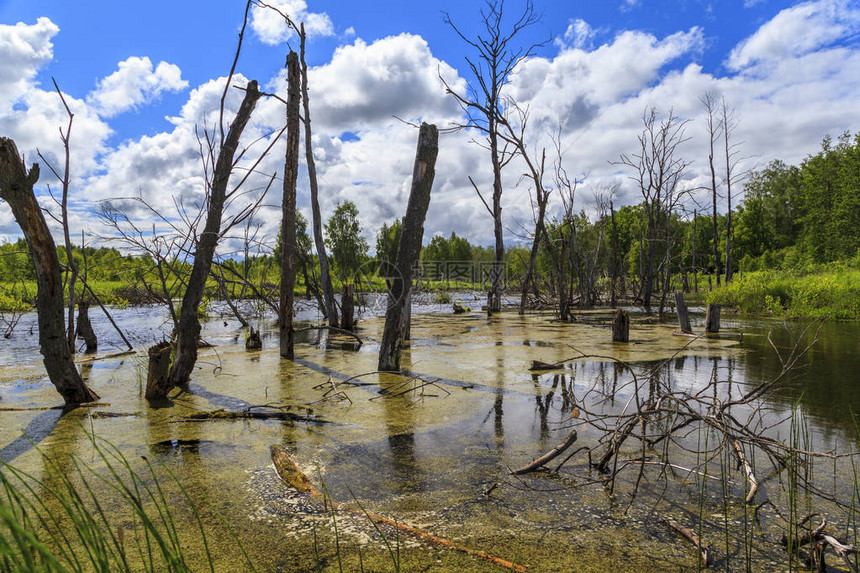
141	76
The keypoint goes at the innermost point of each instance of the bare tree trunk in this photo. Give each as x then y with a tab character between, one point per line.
539	230
347	306
288	208
85	327
325	276
410	245
613	280
189	325
712	135
16	188
695	268
495	302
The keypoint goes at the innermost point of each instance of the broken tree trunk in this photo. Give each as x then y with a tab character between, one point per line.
621	326
189	324
254	342
712	322
347	307
683	316
85	327
288	208
157	370
410	245
16	188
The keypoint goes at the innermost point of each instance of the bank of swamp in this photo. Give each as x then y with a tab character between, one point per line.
434	448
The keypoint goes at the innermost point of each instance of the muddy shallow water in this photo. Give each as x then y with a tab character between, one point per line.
426	451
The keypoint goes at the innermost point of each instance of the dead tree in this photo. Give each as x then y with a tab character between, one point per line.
423	173
483	104
288	208
710	103
729	122
63	202
658	169
189	325
325	274
16	188
660	417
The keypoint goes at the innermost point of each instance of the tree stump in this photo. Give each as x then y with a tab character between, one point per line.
621	326
347	307
253	342
683	316
85	327
712	322
157	385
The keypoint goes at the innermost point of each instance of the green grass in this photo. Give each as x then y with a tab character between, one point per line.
68	519
832	292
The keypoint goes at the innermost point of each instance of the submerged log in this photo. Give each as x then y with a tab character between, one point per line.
85	327
683	316
424	170
547	457
156	375
621	326
293	476
712	322
290	472
222	414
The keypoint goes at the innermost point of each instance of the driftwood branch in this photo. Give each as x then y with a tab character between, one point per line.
547	457
690	536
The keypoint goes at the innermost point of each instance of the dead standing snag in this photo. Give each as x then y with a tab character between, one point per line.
410	246
288	209
16	188
189	324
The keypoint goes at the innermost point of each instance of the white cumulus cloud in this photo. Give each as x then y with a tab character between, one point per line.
135	83
270	27
796	31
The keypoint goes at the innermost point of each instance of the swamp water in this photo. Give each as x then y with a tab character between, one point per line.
436	452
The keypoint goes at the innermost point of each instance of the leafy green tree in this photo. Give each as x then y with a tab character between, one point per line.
343	237
387	241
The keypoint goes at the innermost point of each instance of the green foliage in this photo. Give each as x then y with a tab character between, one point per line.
832	292
343	237
387	243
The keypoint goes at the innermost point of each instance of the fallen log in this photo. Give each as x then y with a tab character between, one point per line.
547	457
540	365
293	476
